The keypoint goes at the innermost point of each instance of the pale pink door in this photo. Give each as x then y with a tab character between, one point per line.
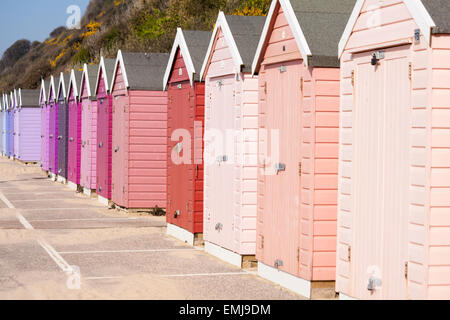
86	125
219	169
281	201
381	170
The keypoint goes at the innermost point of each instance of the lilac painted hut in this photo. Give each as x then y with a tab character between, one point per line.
44	124
12	106
53	127
28	115
2	125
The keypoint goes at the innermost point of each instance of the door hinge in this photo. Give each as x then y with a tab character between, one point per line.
349	254
265	88
353	77
410	71
123	190
300	168
125	109
301	84
298	254
406	270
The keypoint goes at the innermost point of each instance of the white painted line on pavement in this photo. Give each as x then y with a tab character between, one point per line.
65	267
204	275
130	251
93	219
60	209
35	200
101	278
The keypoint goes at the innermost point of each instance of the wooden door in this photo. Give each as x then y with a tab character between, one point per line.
103	147
281	201
62	138
381	171
119	164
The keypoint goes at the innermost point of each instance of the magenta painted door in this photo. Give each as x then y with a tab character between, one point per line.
118	151
381	175
220	167
42	135
104	141
53	152
74	143
281	202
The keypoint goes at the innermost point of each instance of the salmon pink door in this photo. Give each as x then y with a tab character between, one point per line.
219	164
104	147
74	142
281	201
382	170
118	151
180	178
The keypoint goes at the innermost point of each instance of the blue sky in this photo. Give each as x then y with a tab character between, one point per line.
33	19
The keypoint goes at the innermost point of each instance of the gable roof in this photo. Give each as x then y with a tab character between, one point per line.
52	88
141	71
90	75
29	98
430	15
316	25
15	102
242	34
63	85
107	67
193	46
75	79
43	90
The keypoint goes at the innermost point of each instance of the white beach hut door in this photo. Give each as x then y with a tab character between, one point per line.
219	186
381	175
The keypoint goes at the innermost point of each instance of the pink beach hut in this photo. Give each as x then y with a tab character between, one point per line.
231	123
16	125
88	100
74	131
104	129
29	124
298	71
53	127
43	101
139	139
394	185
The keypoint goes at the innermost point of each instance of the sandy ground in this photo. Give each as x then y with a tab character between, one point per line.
56	244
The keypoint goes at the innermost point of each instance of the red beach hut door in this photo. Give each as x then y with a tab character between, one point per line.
119	151
180	177
282	186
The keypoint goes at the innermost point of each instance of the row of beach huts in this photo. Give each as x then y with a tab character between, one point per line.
314	142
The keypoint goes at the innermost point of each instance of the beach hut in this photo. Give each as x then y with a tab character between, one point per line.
231	122
88	169
63	125
44	124
16	132
53	127
28	147
186	111
139	160
394	186
298	71
2	125
7	123
104	129
12	109
74	131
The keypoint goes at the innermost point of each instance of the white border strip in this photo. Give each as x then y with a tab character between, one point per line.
224	254
284	279
180	234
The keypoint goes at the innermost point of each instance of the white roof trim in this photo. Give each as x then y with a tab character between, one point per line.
223	25
20	97
72	83
52	87
416	9
16	101
105	75
293	22
85	75
124	72
42	92
180	42
62	85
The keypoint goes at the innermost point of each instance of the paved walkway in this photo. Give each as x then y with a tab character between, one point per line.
56	244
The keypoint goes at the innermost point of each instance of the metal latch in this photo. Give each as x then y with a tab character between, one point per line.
59	137
100	145
283	69
178	147
71	139
177	214
279	167
373	284
278	263
219	227
223	158
116	149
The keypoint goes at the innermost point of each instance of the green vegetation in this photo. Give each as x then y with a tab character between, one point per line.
109	25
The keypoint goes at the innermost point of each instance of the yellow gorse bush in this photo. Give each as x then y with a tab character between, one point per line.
92	28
